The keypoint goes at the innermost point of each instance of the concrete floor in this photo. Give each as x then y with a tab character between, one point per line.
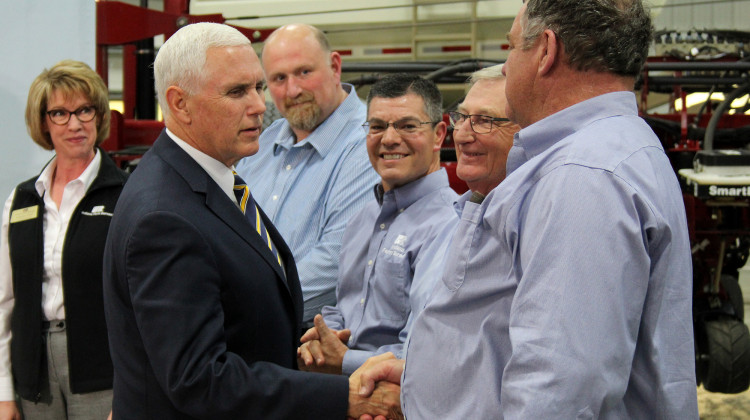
713	406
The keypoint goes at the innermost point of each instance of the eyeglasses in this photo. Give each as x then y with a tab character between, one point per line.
481	124
61	116
405	127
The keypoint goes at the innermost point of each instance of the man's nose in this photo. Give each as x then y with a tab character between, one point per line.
462	132
293	88
257	103
390	137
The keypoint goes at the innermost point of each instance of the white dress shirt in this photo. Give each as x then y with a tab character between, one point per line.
218	171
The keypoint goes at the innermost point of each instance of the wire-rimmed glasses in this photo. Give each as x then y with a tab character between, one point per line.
481	124
404	126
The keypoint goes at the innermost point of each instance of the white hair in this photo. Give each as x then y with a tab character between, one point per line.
180	61
488	73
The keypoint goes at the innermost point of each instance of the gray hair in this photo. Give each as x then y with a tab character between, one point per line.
600	35
181	59
400	84
488	73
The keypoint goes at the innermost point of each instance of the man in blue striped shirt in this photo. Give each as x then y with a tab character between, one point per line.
312	172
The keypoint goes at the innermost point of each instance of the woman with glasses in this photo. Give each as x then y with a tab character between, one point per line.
54	353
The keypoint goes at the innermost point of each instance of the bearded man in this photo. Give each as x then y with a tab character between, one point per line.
312	172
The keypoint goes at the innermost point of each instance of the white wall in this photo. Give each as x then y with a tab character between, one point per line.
35	35
684	15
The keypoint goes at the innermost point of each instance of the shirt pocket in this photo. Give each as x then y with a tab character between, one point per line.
390	288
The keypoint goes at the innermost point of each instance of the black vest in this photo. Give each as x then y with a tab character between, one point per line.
90	365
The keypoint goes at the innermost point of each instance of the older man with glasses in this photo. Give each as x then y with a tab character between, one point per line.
482	145
383	244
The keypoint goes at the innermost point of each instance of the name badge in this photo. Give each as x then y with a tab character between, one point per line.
21	215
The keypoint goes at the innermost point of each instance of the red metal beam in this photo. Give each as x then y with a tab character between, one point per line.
119	23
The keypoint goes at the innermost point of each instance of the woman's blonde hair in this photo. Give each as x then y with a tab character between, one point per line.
70	78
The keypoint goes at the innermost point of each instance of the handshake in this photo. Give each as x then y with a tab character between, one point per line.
374	388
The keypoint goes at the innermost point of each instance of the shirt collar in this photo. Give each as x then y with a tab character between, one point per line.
87	177
461	201
543	134
324	137
406	195
218	171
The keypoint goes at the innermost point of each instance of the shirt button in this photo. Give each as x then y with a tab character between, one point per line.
382	226
369	262
400	210
362	301
288	167
275	197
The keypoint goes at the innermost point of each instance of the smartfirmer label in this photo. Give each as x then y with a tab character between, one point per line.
719	191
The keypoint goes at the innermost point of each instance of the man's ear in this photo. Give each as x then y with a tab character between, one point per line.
440	131
177	100
550	52
336	63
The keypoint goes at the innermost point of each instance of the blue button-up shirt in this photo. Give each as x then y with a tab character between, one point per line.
311	189
381	253
567	293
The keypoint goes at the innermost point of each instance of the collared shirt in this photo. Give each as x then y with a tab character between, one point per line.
311	189
218	171
55	225
567	293
380	255
222	175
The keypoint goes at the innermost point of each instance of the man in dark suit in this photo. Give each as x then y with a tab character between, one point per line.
203	302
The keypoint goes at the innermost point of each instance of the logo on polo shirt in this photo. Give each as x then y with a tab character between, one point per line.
398	248
97	211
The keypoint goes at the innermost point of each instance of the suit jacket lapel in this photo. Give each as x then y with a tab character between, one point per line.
217	201
292	278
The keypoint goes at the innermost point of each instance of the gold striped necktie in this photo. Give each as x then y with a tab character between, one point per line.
245	200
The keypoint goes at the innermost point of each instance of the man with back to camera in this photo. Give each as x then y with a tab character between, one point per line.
201	293
383	243
574	301
316	174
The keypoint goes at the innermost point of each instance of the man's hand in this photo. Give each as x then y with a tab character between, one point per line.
9	411
383	401
312	334
384	367
323	349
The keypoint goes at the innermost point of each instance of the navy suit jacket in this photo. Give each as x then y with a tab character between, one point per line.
203	322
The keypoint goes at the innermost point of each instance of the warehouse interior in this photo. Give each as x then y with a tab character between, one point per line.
699	58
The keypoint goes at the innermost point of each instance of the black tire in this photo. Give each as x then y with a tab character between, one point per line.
727	368
732	287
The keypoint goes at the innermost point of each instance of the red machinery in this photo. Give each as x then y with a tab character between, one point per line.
133	28
710	151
